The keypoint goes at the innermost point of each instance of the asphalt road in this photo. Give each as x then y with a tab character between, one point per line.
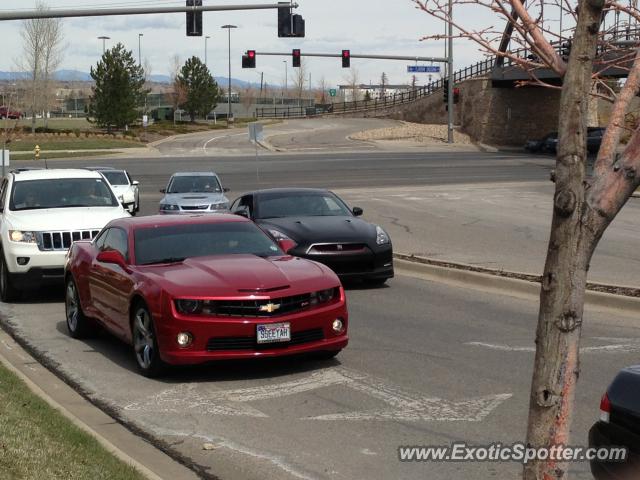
428	364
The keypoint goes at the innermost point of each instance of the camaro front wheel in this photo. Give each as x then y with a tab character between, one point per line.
145	344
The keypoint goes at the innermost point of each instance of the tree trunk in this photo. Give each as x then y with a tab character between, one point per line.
571	246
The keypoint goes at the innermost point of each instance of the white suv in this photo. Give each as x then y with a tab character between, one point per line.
41	213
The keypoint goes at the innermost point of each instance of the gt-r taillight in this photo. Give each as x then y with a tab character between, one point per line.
605	408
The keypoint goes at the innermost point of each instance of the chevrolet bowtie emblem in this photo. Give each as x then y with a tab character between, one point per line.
269	307
339	247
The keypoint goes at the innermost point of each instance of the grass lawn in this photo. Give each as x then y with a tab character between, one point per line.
27	145
50	155
37	442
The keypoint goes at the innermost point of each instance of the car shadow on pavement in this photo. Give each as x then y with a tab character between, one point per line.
363	285
121	354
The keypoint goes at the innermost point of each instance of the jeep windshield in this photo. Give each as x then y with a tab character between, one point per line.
61	193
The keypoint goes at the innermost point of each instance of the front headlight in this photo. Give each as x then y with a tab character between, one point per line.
323	296
220	206
381	236
22	237
278	235
168	207
189	306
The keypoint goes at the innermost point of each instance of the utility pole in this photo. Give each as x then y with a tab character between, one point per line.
229	27
450	73
286	79
140	35
205	50
103	38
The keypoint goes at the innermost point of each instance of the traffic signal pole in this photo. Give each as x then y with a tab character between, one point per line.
450	72
101	12
353	55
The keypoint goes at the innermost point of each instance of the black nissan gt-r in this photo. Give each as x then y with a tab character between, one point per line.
318	225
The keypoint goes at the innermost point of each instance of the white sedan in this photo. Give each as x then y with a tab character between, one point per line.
125	189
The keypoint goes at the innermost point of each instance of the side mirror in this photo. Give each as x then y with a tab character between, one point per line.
112	256
357	211
286	244
243	212
163	190
226	189
136	183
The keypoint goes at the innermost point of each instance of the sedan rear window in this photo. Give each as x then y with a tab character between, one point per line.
175	243
61	193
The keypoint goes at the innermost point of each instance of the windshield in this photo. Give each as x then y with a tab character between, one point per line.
116	177
61	193
175	243
194	184
300	205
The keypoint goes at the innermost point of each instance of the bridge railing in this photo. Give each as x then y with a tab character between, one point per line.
473	71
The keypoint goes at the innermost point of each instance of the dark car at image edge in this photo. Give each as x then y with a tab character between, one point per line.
619	426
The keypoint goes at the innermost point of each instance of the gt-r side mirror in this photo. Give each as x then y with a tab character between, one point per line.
286	244
112	256
163	190
226	189
357	211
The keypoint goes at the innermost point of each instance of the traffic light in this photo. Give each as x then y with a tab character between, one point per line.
346	59
289	25
446	91
194	19
296	57
456	95
249	59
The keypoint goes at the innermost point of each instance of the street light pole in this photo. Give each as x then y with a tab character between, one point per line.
286	79
229	27
205	50
450	72
103	38
140	35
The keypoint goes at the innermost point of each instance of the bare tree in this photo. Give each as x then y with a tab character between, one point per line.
353	80
248	98
178	92
42	53
384	81
300	79
584	205
323	86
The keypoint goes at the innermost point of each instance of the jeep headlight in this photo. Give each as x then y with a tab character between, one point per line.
381	236
22	237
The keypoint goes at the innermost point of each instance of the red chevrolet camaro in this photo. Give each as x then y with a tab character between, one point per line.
185	290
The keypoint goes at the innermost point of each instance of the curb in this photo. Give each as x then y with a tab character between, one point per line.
83	414
498	281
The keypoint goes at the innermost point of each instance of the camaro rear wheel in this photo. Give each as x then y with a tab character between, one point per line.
145	344
78	324
8	292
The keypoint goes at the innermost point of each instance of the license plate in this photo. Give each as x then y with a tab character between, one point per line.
274	332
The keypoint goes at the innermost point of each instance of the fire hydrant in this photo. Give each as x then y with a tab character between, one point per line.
36	152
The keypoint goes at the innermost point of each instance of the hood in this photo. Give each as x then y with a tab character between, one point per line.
304	230
239	275
57	219
193	198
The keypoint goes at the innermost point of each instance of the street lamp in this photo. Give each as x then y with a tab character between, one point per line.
140	35
205	50
229	27
103	38
286	79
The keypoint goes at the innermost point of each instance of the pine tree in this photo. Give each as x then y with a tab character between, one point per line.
118	91
201	89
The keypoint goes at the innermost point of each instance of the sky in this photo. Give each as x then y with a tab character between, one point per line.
392	27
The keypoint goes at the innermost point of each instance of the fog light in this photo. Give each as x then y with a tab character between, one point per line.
184	339
337	325
22	260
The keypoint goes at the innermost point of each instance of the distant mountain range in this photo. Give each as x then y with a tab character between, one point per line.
76	76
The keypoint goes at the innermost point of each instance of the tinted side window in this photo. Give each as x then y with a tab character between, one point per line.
117	240
102	236
3	193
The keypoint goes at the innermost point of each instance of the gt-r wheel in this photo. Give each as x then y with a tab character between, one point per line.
8	292
145	345
78	324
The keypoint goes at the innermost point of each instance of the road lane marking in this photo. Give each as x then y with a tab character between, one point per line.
204	147
628	347
402	405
